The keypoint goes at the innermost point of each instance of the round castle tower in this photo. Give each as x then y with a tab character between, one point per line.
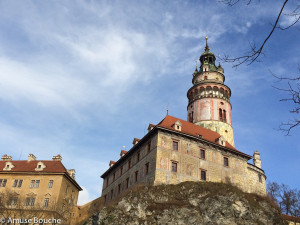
209	98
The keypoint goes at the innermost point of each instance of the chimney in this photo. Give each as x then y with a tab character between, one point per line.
72	173
6	158
31	157
256	159
57	158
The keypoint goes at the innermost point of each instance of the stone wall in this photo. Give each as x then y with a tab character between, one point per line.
255	183
113	190
190	164
222	128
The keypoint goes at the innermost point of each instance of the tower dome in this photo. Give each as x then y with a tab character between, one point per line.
209	98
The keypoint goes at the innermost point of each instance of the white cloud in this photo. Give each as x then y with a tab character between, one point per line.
84	196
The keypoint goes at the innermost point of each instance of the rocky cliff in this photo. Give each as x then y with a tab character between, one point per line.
189	203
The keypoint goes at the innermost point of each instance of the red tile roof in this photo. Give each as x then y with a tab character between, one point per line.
187	128
52	166
291	218
29	166
192	129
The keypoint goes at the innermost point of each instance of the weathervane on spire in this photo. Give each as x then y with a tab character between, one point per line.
206	46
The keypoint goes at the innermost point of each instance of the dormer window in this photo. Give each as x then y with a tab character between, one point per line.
8	166
40	166
221	141
177	125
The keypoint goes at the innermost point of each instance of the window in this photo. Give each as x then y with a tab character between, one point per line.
39	166
259	178
148	147
34	184
3	182
114	176
32	201
146	168
119	188
29	201
46	202
50	185
226	161
121	170
129	163
63	207
111	194
224	115
127	182
12	201
20	183
67	189
191	117
220	115
17	183
202	153
175	145
203	175
138	157
174	166
205	78
136	175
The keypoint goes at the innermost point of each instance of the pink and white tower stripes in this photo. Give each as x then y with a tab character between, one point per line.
209	98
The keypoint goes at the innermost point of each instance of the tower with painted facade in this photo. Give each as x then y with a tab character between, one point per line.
209	98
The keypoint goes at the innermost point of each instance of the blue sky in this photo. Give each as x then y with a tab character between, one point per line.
83	78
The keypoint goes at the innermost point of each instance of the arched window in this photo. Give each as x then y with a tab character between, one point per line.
220	115
191	116
205	78
224	115
226	94
202	91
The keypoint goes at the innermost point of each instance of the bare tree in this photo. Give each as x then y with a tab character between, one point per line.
17	207
292	90
253	55
288	199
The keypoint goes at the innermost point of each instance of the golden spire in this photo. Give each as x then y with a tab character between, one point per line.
206	46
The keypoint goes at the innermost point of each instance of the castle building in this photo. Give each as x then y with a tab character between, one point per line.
199	149
37	188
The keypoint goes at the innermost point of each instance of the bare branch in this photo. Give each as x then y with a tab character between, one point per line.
254	53
293	92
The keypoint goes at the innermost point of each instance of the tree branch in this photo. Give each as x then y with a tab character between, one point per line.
254	53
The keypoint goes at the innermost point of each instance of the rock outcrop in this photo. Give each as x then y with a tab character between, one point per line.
189	203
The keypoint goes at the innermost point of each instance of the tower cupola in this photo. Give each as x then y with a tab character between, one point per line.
209	98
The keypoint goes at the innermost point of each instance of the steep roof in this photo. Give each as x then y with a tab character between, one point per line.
192	129
25	166
186	128
29	166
